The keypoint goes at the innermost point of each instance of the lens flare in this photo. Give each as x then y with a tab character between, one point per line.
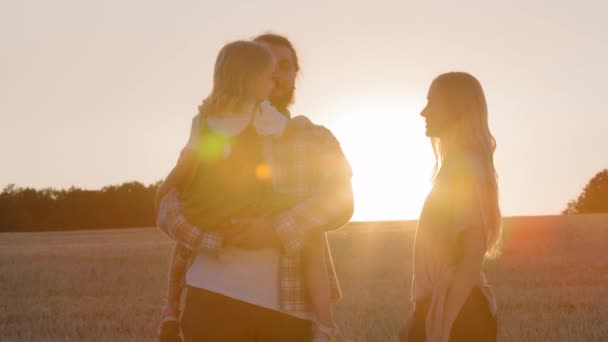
212	147
262	171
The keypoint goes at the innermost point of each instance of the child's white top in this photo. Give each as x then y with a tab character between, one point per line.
268	121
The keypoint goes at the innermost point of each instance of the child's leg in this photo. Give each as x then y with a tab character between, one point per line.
181	258
317	278
169	329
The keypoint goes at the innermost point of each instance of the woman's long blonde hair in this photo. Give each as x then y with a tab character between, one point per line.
236	65
469	133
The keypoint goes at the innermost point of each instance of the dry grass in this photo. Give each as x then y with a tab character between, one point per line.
551	282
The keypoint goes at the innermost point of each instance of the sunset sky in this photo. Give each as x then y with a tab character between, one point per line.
94	93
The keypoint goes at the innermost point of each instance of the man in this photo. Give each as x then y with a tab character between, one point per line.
252	288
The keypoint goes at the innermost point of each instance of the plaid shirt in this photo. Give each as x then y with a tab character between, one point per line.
306	163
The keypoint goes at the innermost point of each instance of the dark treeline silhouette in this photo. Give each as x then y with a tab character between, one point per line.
118	206
132	205
593	199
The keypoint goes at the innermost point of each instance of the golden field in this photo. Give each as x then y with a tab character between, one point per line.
551	281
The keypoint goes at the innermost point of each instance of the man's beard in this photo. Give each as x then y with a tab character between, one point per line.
282	101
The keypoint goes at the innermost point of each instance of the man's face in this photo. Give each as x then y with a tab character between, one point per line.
284	77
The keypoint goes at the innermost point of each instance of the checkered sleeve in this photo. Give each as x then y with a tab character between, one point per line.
330	205
171	222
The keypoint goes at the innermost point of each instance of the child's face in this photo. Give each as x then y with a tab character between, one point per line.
263	83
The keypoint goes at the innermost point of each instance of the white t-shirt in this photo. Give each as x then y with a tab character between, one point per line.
251	276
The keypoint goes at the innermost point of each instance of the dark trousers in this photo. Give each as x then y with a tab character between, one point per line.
474	323
210	317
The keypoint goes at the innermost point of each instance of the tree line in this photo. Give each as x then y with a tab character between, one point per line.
127	205
594	197
131	204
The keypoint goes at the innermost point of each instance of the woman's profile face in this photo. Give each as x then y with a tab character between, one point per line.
435	113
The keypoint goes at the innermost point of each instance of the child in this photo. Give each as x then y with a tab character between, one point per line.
216	174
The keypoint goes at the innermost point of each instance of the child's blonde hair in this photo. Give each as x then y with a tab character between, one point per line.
236	64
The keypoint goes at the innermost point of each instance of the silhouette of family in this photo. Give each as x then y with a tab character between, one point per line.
255	190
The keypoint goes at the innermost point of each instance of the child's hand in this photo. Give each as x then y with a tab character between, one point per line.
297	124
299	121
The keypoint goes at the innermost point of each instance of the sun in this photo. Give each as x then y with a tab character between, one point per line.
384	141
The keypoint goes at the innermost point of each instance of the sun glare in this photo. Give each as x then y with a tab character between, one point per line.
391	157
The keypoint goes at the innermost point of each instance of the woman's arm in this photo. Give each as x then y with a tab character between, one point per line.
469	228
465	276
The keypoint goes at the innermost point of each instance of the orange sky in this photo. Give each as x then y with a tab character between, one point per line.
97	93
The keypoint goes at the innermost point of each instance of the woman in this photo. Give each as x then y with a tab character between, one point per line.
460	222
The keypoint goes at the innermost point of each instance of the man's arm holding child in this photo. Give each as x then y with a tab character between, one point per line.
329	207
171	221
185	163
177	175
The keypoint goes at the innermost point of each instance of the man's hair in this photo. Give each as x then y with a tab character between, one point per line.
275	39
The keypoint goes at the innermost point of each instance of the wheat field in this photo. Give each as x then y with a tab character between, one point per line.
551	282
